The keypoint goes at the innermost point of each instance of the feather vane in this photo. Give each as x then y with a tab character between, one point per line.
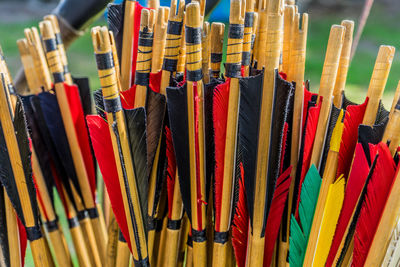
308	201
377	191
333	205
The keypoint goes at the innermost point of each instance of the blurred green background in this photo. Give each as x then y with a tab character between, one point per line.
381	28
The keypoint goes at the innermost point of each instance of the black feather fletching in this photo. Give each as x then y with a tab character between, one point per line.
353	223
54	156
99	103
115	21
371	135
7	177
209	131
6	173
39	145
283	94
178	119
155	114
287	155
136	125
382	114
21	133
84	93
333	117
289	121
5	252
249	117
160	171
347	102
52	116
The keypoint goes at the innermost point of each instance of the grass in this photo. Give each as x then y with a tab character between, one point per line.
381	29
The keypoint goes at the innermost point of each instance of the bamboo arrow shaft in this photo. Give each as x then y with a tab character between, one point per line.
56	237
232	70
121	146
12	233
144	57
195	108
127	45
344	63
298	57
172	235
327	83
217	37
38	246
272	55
328	179
81	247
378	81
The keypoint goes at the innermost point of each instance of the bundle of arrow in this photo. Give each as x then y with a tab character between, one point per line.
248	168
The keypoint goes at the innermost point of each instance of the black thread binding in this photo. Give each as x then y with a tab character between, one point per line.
221	237
159	225
216	57
73	222
112	105
93	213
104	61
199	236
58	77
174	224
249	19
170	64
51	226
193	35
81	215
142	263
245	58
145	39
50	44
236	31
232	70
33	233
142	78
151	224
58	38
194	76
174	27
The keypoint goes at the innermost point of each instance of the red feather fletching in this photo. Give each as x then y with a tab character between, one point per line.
240	226
128	98
23	240
171	170
377	192
220	116
155	81
353	118
78	117
103	149
310	129
355	183
275	214
137	15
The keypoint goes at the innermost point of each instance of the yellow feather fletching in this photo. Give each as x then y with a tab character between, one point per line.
337	133
332	209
